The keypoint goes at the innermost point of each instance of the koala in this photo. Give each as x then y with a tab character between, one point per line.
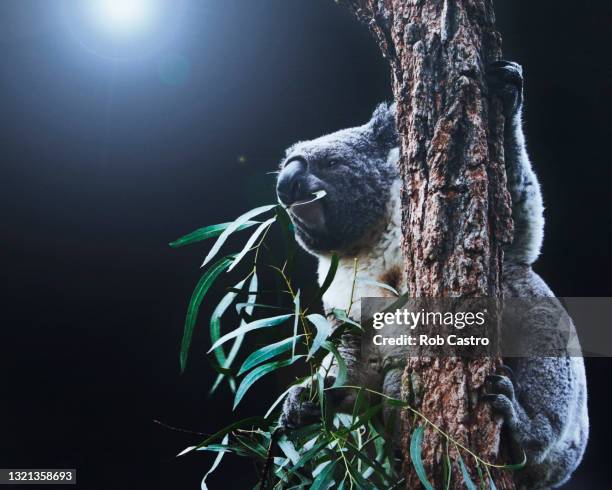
542	399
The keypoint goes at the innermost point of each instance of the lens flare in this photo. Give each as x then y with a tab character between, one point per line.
124	16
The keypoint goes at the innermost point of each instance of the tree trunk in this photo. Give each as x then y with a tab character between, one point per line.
455	204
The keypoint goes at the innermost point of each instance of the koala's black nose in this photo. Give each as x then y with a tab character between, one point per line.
290	185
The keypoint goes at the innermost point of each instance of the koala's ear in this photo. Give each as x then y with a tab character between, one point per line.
382	124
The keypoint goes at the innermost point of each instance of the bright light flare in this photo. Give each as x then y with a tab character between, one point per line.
124	17
123	29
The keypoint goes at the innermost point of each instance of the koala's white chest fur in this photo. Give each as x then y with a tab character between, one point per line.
382	262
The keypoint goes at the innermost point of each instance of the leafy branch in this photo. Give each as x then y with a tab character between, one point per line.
341	450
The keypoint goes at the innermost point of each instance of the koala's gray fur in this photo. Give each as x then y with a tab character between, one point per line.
544	401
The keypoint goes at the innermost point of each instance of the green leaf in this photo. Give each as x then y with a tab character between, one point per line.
197	296
258	373
317	195
259	422
311	453
415	455
360	401
251	241
517	466
215	463
329	277
378	284
324	479
342	369
283	395
253	285
321	395
244	306
365	417
215	320
207	232
394	402
368	461
247	327
252	447
324	330
289	449
466	476
289	234
233	227
265	353
447	471
491	482
481	478
342	316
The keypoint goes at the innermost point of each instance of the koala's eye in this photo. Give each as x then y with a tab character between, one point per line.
333	162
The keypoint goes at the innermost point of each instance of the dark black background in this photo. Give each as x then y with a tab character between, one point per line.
104	162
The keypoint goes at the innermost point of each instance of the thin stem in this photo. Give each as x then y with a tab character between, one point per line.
348	313
433	425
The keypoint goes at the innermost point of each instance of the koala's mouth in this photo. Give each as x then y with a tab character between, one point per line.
308	214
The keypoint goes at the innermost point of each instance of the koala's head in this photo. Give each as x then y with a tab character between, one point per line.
354	168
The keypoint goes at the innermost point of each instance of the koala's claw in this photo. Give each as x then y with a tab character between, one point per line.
501	396
297	412
505	79
502	405
501	385
507	370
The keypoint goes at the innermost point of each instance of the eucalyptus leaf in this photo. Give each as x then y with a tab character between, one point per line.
283	395
368	461
215	463
243	306
466	475
251	241
253	286
248	327
329	277
342	368
252	447
365	417
324	479
289	449
517	466
324	330
317	195
377	284
310	454
215	320
233	227
211	231
289	234
257	374
491	482
415	456
265	353
197	296
343	317
447	471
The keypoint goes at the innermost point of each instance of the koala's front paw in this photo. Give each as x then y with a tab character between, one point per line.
502	398
505	79
297	410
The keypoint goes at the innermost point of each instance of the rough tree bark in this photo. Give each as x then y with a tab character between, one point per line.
455	204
